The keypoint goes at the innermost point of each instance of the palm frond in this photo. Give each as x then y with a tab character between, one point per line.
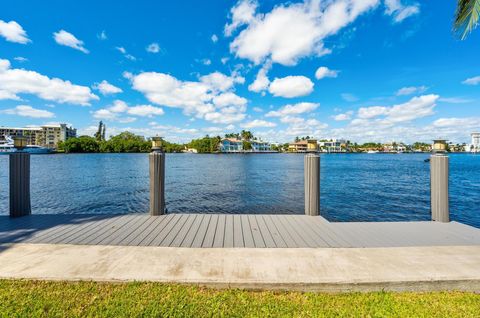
466	17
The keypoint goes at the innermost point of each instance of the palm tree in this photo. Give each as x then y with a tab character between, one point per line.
466	17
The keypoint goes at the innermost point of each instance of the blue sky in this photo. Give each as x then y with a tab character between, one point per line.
364	70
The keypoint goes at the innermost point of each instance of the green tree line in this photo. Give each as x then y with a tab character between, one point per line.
125	142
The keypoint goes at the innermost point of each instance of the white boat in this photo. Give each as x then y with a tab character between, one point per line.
372	151
8	147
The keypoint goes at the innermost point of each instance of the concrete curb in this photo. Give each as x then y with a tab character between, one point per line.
304	269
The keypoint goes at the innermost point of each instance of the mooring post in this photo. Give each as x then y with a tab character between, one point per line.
312	184
439	171
20	204
157	178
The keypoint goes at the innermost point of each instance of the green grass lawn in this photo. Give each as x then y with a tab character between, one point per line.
19	298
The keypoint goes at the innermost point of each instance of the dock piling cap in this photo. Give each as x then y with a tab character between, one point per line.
19	142
439	145
157	143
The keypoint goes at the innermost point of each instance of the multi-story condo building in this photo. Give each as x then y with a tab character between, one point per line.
45	136
32	134
308	145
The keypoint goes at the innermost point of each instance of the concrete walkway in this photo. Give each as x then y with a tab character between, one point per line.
306	269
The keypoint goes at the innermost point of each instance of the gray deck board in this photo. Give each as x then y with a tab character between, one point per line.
228	230
305	232
237	232
247	232
228	238
126	231
294	235
92	229
163	233
180	237
151	232
190	237
220	232
257	235
212	228
180	230
267	236
202	231
278	238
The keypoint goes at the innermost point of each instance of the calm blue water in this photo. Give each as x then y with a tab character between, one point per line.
354	187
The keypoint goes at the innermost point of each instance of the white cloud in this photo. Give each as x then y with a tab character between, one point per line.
224	118
261	82
417	107
299	126
323	72
372	111
102	35
462	123
210	98
291	86
294	109
399	11
409	90
218	81
257	109
65	38
349	97
206	62
242	13
224	60
258	123
229	99
145	111
114	112
214	38
455	100
20	59
453	129
20	81
344	116
472	81
28	111
153	48
13	32
122	50
106	88
290	31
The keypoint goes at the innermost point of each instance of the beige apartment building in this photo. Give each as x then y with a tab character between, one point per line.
46	136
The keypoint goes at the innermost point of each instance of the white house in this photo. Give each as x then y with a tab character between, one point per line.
235	145
333	145
231	145
260	146
475	145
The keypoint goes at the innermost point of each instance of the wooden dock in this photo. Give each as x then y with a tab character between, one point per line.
228	230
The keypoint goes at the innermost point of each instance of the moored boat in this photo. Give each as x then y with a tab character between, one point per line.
8	147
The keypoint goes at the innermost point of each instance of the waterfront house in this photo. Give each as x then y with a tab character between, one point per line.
231	145
333	145
394	147
260	146
475	145
308	145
